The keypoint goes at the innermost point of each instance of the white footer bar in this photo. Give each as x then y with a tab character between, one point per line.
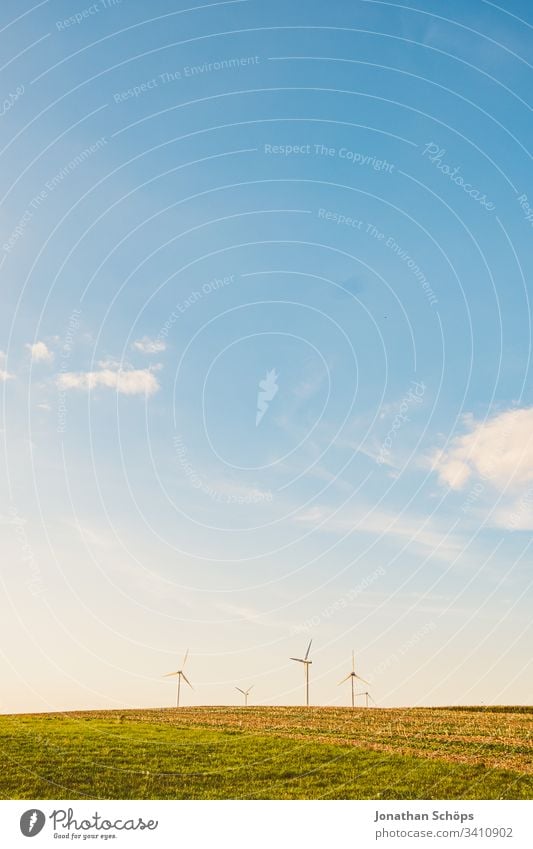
267	825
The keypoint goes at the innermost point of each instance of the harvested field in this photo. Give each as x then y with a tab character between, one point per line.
269	752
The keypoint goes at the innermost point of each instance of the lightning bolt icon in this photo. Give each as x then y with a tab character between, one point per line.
269	387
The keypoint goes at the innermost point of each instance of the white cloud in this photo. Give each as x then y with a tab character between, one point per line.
4	375
415	530
499	451
126	382
111	363
239	493
40	352
249	614
517	515
150	346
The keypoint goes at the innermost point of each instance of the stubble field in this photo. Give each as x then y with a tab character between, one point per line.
269	753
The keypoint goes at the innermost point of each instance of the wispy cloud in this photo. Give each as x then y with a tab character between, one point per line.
415	530
149	346
90	535
240	612
40	352
123	381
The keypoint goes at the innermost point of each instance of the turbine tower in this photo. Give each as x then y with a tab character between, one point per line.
179	674
245	694
368	696
307	663
352	676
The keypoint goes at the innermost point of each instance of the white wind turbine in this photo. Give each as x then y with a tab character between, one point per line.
307	663
245	694
179	674
368	696
352	676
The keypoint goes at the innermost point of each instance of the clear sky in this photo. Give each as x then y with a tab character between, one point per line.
265	340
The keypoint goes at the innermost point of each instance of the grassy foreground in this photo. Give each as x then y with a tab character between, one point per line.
269	753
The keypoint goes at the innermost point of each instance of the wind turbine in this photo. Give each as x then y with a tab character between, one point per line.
352	676
179	674
368	696
306	664
245	694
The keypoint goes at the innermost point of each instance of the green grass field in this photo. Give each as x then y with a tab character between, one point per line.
269	753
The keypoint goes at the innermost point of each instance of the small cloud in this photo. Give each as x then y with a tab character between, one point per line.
125	382
239	612
4	375
40	352
150	346
110	363
499	450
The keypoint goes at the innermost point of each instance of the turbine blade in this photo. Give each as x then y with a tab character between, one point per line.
363	680
298	659
170	674
187	680
308	648
240	691
353	661
185	658
344	679
250	688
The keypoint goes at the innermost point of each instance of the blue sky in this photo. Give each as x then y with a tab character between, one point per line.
265	351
